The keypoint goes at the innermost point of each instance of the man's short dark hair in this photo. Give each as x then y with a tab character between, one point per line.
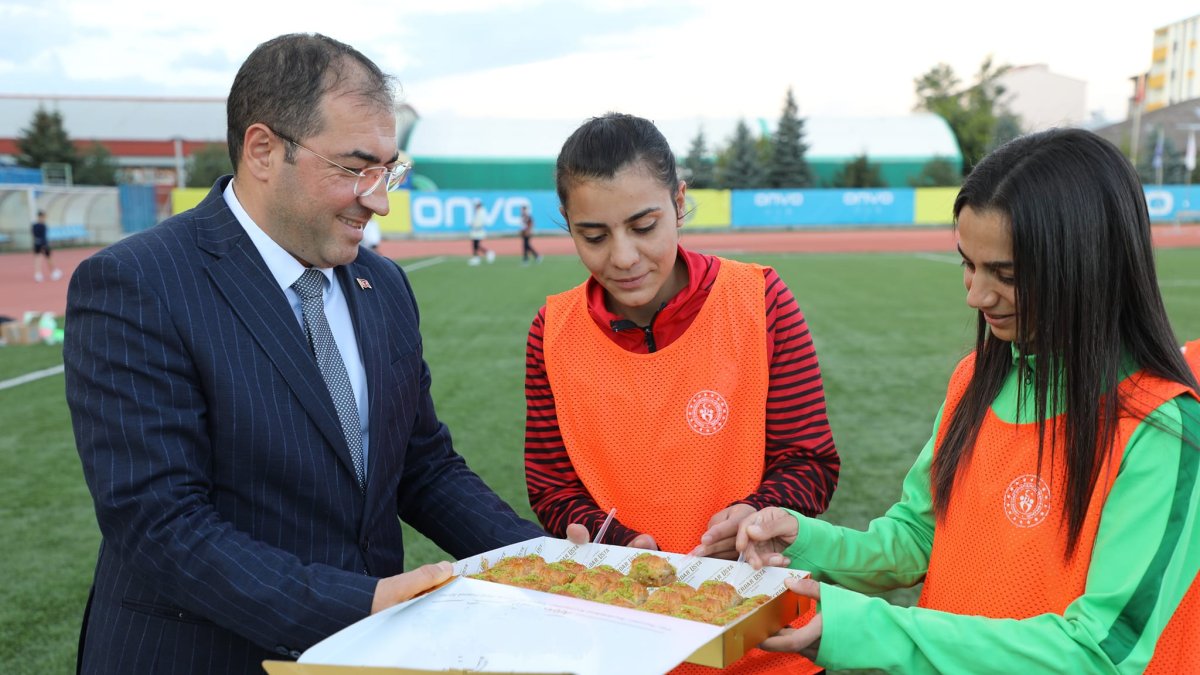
282	82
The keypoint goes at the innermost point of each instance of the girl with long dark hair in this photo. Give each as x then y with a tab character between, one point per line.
1053	516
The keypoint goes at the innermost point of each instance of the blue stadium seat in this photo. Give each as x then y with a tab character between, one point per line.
67	232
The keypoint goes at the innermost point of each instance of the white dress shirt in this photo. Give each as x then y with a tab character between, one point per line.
286	270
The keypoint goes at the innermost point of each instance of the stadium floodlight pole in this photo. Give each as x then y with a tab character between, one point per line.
1139	96
180	168
1189	165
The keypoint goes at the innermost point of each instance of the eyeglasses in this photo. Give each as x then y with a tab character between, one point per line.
369	179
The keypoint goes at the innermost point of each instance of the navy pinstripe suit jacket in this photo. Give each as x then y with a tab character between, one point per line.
233	528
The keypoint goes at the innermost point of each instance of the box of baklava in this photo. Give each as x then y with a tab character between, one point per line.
548	606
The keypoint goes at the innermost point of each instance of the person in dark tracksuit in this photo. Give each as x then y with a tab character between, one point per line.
41	249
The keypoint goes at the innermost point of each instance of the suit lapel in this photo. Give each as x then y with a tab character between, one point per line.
241	276
365	310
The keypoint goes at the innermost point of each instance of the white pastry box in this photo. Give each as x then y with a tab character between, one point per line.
474	626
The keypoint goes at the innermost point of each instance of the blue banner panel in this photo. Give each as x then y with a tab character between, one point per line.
790	208
1173	202
450	211
20	175
139	208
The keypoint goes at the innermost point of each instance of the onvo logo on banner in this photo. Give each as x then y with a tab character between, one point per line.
868	198
764	199
1160	203
434	212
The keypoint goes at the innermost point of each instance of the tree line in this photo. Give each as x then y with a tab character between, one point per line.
975	113
46	141
775	160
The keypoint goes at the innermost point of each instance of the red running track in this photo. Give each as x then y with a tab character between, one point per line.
20	293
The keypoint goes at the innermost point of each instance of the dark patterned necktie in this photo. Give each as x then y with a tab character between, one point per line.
311	289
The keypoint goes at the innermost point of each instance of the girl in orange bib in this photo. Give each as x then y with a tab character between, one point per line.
1054	515
681	388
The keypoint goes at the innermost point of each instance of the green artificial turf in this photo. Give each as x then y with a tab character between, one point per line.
888	328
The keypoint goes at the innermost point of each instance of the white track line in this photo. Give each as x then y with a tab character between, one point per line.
421	264
939	257
30	377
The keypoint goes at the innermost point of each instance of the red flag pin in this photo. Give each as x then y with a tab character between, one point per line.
363	283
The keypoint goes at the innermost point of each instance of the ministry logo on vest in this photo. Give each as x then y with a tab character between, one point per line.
1027	501
707	412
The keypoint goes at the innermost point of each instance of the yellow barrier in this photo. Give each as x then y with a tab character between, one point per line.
399	218
709	208
183	199
934	206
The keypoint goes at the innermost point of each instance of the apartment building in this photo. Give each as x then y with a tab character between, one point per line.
1174	64
1043	99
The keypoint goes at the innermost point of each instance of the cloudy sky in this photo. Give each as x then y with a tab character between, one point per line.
568	59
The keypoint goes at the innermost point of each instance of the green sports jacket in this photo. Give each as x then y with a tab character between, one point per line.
1147	553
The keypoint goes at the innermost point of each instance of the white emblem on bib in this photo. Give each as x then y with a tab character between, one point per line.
707	412
1027	501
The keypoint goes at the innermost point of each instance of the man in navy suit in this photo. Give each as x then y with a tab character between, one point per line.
238	524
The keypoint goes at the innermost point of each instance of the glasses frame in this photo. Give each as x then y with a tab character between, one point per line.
390	177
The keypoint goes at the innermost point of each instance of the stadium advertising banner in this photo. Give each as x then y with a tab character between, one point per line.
1166	203
799	208
707	208
397	220
1173	202
450	212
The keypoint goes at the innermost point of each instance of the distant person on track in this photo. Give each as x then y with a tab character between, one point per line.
528	254
680	388
478	234
41	249
371	235
1052	514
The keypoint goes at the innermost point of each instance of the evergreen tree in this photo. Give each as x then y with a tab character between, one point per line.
698	164
45	141
96	166
937	172
859	173
764	150
208	164
787	167
740	164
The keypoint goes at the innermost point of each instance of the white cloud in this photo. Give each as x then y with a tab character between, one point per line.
738	58
719	58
